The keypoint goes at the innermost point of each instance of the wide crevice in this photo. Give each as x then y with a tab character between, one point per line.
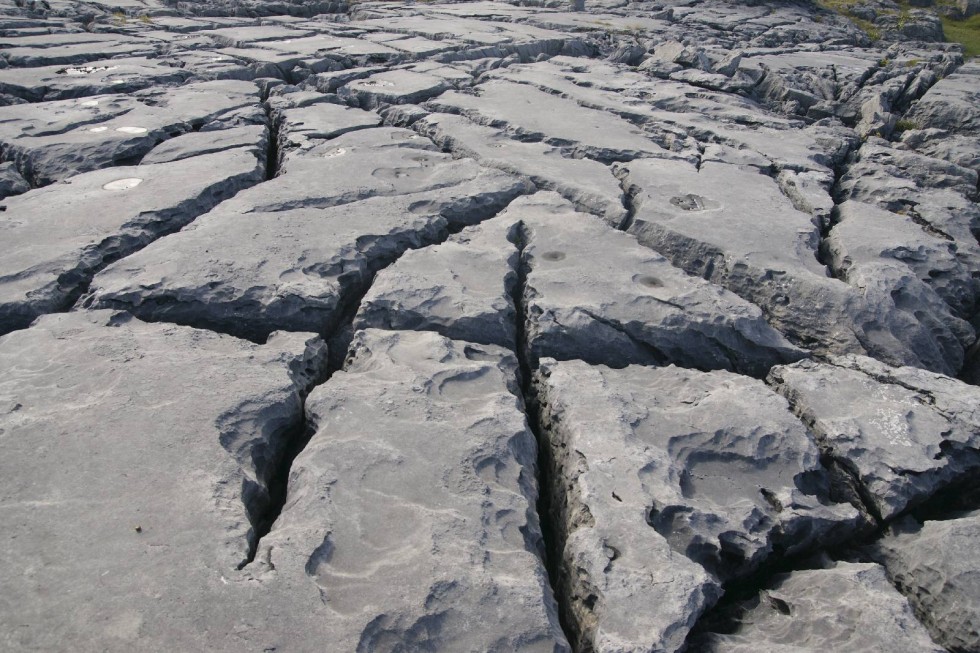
338	338
547	512
272	155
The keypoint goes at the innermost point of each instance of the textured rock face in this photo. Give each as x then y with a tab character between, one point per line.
163	439
848	607
663	493
902	433
935	565
433	428
635	310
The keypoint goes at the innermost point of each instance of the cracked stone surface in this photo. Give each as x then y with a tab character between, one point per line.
935	564
848	606
164	438
902	433
635	310
661	463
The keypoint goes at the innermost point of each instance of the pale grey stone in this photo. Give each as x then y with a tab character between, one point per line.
899	434
848	607
462	288
138	466
413	506
56	238
667	481
596	294
937	566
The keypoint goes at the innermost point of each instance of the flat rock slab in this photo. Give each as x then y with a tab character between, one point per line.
953	104
224	274
55	140
901	434
528	112
937	566
589	185
209	141
413	506
103	76
392	87
667	480
596	294
849	607
132	470
462	289
759	246
307	126
866	235
56	238
354	166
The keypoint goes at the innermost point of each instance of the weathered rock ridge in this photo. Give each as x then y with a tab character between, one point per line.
391	327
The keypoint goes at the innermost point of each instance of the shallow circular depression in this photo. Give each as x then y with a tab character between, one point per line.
98	130
648	280
339	151
689	202
132	130
553	256
123	184
90	103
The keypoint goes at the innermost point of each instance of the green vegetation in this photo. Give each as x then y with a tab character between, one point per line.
906	125
965	32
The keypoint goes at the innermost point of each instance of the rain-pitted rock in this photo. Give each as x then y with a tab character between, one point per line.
322	259
667	481
847	607
898	435
138	466
937	566
756	244
56	238
413	506
595	294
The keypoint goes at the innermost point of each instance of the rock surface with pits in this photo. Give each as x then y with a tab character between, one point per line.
635	311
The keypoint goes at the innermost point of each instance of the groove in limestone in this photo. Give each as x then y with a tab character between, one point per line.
549	487
338	339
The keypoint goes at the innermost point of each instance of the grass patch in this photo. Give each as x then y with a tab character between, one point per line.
965	32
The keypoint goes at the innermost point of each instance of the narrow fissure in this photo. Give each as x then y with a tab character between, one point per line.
338	341
547	514
272	154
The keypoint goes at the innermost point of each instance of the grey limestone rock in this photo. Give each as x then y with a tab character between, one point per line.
847	607
462	288
589	185
667	481
56	238
531	113
307	126
759	246
55	140
937	566
413	506
898	435
11	181
323	259
137	466
392	87
596	294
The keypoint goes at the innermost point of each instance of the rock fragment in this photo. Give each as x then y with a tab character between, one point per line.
665	482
